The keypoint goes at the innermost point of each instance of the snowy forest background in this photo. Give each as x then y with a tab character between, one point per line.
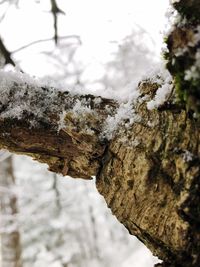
46	219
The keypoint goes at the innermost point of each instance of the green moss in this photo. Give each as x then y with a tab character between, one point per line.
187	91
165	55
182	97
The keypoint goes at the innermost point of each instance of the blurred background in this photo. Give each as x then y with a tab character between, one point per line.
102	47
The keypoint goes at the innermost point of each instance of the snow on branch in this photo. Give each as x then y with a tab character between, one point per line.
56	127
66	130
140	156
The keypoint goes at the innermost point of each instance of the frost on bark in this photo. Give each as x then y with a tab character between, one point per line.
55	127
148	173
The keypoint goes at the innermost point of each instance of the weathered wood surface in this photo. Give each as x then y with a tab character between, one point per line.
148	173
151	182
41	133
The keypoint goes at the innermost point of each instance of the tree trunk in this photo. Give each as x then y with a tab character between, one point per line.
152	185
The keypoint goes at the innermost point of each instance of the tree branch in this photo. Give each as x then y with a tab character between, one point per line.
76	37
148	172
55	10
6	54
44	123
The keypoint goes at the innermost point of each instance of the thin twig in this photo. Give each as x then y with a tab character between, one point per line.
4	14
55	10
6	54
46	40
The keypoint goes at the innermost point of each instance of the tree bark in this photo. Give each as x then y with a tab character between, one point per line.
148	172
56	128
152	185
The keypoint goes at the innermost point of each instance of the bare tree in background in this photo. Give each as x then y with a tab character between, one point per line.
9	234
131	59
10	246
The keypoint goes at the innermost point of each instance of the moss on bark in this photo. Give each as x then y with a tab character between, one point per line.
183	53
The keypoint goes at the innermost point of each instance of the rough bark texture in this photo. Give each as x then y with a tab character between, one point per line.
153	187
69	145
148	173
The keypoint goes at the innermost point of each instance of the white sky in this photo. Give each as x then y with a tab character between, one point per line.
97	22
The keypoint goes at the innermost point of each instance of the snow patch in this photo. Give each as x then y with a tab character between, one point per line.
158	74
161	96
33	98
61	122
125	114
193	72
174	1
9	78
163	78
81	107
188	156
173	18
